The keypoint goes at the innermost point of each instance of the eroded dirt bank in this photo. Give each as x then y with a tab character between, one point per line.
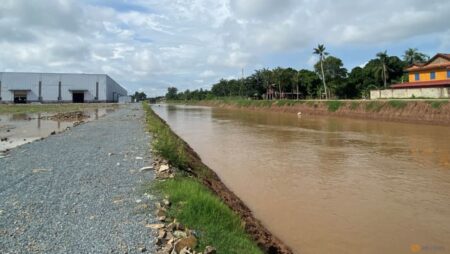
410	111
264	239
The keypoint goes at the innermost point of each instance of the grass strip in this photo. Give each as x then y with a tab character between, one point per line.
398	104
437	104
194	205
198	208
333	106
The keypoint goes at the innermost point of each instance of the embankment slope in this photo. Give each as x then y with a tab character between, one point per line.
414	111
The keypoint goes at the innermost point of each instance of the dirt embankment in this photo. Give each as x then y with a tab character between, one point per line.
264	239
413	111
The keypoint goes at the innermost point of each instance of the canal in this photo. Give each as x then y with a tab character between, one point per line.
329	185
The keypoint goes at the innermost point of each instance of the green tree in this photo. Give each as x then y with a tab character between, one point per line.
382	57
172	93
277	75
310	82
413	56
138	96
334	72
355	84
266	79
320	51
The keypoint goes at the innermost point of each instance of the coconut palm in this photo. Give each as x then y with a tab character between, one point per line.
277	75
320	51
413	56
383	57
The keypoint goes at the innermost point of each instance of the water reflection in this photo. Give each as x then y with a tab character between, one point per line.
18	129
329	185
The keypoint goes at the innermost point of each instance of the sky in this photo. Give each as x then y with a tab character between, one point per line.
149	45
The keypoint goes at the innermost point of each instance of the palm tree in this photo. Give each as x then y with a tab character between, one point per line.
296	79
277	75
320	51
413	56
265	76
383	57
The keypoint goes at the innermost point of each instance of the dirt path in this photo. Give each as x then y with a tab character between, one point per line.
78	191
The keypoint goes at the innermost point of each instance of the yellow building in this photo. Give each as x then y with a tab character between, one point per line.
434	73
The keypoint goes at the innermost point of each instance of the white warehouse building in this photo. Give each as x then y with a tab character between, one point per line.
24	87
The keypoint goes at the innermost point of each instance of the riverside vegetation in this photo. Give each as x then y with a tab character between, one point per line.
435	111
193	204
328	79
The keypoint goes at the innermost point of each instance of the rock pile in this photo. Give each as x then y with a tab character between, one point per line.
163	169
172	236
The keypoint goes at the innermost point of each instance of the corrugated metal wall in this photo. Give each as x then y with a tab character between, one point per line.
57	87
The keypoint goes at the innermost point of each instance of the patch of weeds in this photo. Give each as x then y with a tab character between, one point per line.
398	104
284	103
333	106
437	104
311	103
165	143
354	105
198	208
374	106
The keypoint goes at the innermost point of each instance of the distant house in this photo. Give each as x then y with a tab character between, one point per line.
428	80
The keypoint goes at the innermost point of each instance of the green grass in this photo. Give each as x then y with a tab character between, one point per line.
198	208
354	105
374	106
193	204
398	104
333	106
51	108
165	143
437	104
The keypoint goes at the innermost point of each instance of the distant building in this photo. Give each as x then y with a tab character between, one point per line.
124	99
428	80
25	87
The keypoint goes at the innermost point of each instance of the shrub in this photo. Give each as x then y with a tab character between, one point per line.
333	106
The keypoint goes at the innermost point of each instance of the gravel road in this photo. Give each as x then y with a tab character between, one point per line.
79	191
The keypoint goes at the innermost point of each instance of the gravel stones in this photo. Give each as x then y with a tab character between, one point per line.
65	194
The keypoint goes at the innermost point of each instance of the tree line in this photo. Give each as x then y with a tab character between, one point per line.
329	79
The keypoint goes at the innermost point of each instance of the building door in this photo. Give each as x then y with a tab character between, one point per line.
78	97
20	96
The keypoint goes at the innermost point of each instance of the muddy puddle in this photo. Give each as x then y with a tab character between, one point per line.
329	185
22	128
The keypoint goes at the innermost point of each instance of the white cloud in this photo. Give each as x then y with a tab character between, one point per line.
193	43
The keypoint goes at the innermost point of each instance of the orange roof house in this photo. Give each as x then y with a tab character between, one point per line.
434	73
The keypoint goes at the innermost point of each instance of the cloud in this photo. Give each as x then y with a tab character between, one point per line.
150	45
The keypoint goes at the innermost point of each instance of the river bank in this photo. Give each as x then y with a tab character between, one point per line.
407	111
326	184
179	154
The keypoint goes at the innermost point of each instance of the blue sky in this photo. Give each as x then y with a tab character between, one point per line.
148	45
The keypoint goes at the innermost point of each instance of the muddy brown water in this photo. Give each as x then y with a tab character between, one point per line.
22	128
329	185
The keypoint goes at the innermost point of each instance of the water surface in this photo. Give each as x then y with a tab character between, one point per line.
20	128
329	185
